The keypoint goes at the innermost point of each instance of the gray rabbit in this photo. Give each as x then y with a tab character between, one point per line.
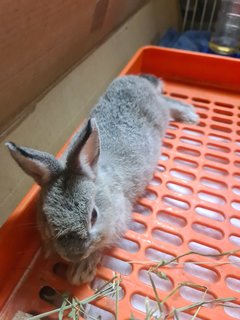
87	197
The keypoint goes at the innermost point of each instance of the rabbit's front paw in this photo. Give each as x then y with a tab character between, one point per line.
80	273
84	271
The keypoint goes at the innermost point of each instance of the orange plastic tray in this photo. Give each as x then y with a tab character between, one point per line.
192	203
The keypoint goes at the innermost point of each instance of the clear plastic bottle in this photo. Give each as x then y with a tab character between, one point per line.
226	36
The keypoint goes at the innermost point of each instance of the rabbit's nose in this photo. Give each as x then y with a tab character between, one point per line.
72	247
72	241
70	237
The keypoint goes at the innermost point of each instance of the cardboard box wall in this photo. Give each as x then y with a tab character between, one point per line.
40	40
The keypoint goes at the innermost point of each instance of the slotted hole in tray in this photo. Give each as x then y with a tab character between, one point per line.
161	284
236	176
178	95
142	209
218	159
211	198
117	265
202	115
235	239
219	138
220	128
218	148
94	312
188	151
202	124
235	222
179	188
164	157
197	270
180	174
158	256
203	249
192	142
60	269
167	237
98	283
214	184
223	112
233	283
185	162
195	295
170	218
222	120
224	105
237	153
235	260
156	181
166	146
138	302
173	126
237	164
236	205
207	231
160	168
170	135
210	213
193	132
201	100
137	227
150	195
128	245
217	171
51	296
232	309
175	203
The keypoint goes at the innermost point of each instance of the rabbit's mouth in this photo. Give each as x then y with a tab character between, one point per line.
72	248
72	258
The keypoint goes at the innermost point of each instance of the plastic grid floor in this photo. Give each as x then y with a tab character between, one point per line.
192	203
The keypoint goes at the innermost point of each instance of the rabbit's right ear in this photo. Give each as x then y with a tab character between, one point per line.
84	153
42	166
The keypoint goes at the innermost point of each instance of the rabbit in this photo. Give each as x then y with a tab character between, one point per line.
87	197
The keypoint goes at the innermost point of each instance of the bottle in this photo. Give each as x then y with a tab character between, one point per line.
225	39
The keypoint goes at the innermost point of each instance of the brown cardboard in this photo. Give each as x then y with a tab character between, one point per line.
41	40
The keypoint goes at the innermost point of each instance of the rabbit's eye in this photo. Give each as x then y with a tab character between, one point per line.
94	216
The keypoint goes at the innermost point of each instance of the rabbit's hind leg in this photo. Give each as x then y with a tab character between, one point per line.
181	111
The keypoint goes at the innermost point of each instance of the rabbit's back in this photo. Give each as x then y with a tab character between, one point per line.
132	122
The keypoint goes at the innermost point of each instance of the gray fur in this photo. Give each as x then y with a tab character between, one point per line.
106	167
153	79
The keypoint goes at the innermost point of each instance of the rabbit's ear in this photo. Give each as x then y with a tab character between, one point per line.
41	166
84	153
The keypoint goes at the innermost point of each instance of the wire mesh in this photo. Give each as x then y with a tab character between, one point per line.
199	14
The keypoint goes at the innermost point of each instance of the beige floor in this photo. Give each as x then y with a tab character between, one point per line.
62	109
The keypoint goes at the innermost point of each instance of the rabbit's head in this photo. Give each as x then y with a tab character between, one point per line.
67	213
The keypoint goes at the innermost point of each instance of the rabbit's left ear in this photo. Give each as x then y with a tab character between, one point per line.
42	166
84	153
